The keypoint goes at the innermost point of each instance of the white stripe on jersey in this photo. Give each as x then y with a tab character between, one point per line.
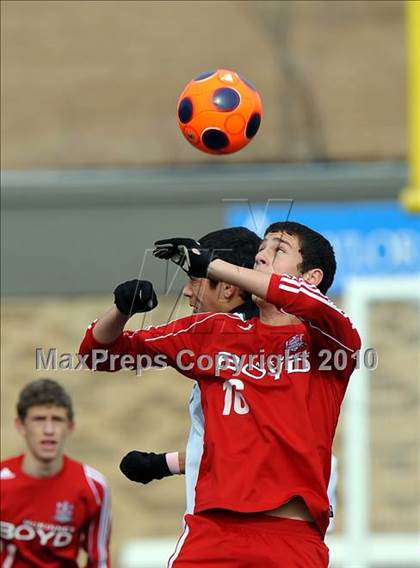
311	290
104	517
299	281
311	294
332	491
192	315
328	303
178	546
10	558
332	338
299	285
185	329
90	474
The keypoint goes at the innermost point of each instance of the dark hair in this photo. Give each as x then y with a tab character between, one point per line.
236	245
315	249
43	391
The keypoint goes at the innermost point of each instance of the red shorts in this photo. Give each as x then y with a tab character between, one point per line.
225	539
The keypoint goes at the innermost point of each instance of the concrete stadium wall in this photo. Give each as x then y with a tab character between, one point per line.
71	232
96	82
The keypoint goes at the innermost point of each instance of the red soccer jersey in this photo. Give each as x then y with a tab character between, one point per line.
45	521
269	424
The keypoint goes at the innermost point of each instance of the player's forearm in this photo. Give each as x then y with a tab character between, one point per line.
250	280
144	467
110	326
181	460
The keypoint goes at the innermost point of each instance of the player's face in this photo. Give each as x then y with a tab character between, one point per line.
45	430
202	297
279	253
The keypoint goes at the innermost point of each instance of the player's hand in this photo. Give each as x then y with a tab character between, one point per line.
186	253
135	296
144	467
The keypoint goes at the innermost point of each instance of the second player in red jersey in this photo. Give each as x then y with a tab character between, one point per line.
51	505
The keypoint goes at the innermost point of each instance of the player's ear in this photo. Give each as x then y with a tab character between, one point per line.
19	424
228	291
313	276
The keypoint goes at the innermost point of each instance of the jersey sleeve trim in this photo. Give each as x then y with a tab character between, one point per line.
295	296
98	544
295	285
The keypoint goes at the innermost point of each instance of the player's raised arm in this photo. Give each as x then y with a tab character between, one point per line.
291	273
295	296
107	346
106	333
200	263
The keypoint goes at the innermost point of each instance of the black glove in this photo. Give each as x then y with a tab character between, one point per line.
135	296
186	253
143	467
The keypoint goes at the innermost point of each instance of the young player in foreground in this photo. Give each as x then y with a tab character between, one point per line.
266	392
51	505
238	246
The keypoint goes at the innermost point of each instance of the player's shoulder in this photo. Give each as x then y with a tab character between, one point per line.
90	481
85	471
10	467
195	322
220	316
97	484
93	474
219	320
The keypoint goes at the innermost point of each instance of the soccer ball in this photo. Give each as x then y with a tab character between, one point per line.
219	112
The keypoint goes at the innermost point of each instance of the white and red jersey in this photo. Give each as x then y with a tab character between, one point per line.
46	521
268	429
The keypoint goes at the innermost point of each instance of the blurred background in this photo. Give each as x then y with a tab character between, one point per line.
94	169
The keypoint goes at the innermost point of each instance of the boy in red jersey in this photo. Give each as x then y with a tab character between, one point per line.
238	246
270	402
51	505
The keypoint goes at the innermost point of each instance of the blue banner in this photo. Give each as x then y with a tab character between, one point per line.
370	238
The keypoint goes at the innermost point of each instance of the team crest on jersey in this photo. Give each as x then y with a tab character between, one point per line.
63	511
295	343
5	473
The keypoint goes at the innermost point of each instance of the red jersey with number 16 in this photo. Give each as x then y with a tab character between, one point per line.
46	521
270	395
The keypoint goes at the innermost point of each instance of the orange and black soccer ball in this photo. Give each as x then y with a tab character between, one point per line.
219	112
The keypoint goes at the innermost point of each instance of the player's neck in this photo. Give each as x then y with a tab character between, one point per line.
270	315
233	306
38	468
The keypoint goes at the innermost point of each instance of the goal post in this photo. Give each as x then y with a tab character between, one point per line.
410	196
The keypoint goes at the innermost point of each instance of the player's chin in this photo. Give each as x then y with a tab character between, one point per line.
46	459
48	454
